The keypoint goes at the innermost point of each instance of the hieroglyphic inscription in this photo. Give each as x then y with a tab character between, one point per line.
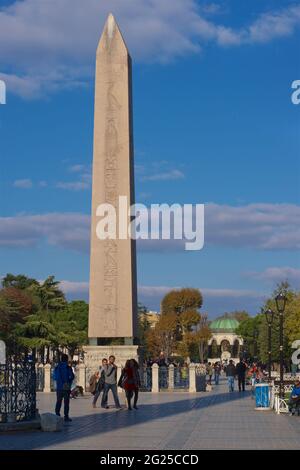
112	149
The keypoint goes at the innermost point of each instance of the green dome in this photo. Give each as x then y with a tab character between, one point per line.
228	324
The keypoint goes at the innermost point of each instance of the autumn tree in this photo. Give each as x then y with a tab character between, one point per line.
180	300
163	336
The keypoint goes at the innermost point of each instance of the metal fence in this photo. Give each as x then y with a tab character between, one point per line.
40	379
163	378
17	392
52	381
181	378
146	379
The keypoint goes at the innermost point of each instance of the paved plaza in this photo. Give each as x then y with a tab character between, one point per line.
212	420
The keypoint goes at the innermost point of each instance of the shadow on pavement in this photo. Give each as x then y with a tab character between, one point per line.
97	423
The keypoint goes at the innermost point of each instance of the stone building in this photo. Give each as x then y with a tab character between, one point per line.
224	344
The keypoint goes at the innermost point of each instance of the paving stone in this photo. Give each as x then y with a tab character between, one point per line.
217	420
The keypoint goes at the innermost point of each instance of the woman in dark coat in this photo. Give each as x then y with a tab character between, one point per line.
131	382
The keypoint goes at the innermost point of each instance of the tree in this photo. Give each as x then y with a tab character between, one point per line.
203	334
19	281
15	306
35	334
249	330
291	323
71	325
143	327
163	336
180	300
187	320
50	297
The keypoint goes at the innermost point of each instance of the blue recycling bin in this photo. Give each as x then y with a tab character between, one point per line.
262	398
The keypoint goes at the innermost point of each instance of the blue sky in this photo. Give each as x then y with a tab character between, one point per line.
213	123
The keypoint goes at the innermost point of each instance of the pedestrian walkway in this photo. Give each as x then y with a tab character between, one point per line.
212	420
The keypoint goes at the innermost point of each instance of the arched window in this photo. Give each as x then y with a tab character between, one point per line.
225	346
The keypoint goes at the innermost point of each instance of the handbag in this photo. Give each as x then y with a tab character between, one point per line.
122	380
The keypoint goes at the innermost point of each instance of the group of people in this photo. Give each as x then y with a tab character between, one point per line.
105	379
102	381
241	371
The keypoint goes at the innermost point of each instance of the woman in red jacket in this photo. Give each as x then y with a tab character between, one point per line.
131	382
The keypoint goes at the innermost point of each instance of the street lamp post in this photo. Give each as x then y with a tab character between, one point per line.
280	300
269	317
255	348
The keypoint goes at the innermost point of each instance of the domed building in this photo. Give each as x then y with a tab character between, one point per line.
224	344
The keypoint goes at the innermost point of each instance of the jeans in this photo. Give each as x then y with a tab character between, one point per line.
230	381
96	396
241	382
60	396
107	388
217	379
129	395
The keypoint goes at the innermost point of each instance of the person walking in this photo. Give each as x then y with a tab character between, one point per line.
64	376
230	374
129	382
93	382
241	369
217	373
100	380
209	371
110	383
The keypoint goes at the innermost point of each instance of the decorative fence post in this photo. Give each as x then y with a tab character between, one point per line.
192	377
47	378
155	378
171	377
81	376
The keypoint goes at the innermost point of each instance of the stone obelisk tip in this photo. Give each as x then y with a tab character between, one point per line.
110	25
111	34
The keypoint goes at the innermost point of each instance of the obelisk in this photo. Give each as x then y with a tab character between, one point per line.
113	296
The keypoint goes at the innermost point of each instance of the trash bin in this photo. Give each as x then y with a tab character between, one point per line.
262	398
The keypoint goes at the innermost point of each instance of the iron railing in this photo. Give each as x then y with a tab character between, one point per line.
146	379
181	377
40	379
163	378
17	392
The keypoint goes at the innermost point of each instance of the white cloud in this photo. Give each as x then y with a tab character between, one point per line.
84	178
67	230
76	168
23	183
73	287
263	226
73	185
276	274
274	25
216	301
257	226
164	176
51	45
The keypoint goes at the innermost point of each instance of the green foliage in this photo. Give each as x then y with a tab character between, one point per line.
35	316
249	330
49	296
19	282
